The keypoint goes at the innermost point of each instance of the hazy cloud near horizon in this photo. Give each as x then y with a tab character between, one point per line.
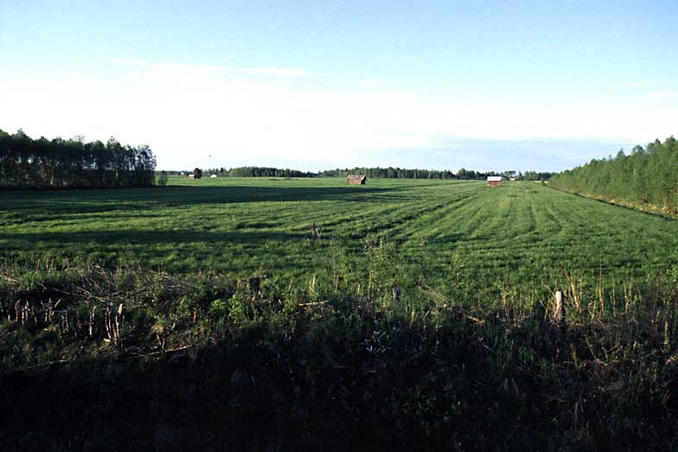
198	116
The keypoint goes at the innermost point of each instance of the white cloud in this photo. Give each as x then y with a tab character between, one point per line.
196	69
663	94
187	113
371	84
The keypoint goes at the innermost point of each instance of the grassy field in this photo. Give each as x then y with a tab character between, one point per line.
203	315
519	234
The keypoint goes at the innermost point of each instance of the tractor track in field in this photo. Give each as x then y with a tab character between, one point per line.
428	219
358	224
480	213
395	222
438	210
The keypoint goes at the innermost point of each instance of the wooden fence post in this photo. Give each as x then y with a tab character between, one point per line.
559	309
314	231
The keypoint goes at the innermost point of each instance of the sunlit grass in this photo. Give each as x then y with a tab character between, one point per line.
523	233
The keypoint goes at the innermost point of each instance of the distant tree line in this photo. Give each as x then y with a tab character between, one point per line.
391	173
535	175
376	172
647	175
59	163
405	173
258	171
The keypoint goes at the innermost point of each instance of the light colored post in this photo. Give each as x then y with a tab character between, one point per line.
559	309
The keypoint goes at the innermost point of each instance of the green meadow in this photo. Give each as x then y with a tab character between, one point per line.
520	234
203	315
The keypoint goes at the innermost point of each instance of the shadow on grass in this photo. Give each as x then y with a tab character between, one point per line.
179	251
74	201
262	389
133	237
265	390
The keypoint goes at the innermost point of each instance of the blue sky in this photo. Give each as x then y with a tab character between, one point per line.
312	85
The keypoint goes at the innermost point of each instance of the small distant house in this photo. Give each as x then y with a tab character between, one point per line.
493	181
356	179
191	176
213	176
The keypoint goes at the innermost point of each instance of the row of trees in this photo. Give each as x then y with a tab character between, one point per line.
405	173
527	175
647	175
535	175
258	171
391	173
387	173
59	163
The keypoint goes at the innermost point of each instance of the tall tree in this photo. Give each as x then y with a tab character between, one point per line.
63	163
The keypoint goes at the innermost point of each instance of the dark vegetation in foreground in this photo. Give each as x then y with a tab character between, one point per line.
58	163
647	176
131	359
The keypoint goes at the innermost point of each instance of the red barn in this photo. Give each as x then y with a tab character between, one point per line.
356	179
493	181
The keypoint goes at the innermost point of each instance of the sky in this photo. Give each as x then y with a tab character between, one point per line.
314	85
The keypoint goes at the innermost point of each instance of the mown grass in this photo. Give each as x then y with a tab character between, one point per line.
521	233
204	316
